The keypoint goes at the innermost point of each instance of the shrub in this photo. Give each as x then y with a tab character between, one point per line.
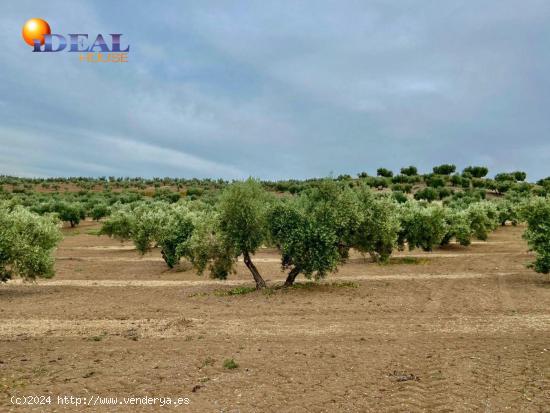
483	218
537	234
386	173
314	232
511	176
508	211
445	169
456	180
165	194
428	194
206	249
377	182
230	364
421	226
399	196
458	227
99	211
69	212
409	171
401	179
435	181
444	192
379	226
476	171
150	225
479	183
407	188
27	241
242	214
120	224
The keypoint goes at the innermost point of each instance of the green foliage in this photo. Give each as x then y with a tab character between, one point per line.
386	173
516	176
120	224
69	212
235	291
456	180
508	211
230	364
409	171
444	192
435	181
100	211
306	246
476	171
445	169
422	226
399	196
206	249
427	194
314	232
379	226
242	208
537	214
483	217
242	221
27	241
458	227
479	183
151	225
165	194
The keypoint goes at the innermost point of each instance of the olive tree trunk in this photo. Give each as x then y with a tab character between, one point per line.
260	283
291	276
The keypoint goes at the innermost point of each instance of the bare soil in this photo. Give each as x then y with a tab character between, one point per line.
459	329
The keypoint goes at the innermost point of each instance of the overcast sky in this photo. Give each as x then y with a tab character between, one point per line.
279	89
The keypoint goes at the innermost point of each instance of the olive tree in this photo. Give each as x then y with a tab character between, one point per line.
422	226
445	169
379	225
205	248
458	227
476	171
120	223
153	225
483	217
242	221
409	171
508	211
72	213
27	242
306	245
537	234
384	172
315	231
98	211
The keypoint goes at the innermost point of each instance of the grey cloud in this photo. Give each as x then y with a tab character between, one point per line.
280	90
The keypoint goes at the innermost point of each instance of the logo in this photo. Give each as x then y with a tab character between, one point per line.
104	49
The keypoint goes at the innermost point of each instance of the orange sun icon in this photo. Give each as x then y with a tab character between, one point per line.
35	29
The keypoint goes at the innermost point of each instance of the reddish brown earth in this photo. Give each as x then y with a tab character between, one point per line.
459	329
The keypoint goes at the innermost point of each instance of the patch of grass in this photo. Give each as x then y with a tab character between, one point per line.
209	361
311	285
407	260
235	291
71	233
93	231
230	364
98	337
39	371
